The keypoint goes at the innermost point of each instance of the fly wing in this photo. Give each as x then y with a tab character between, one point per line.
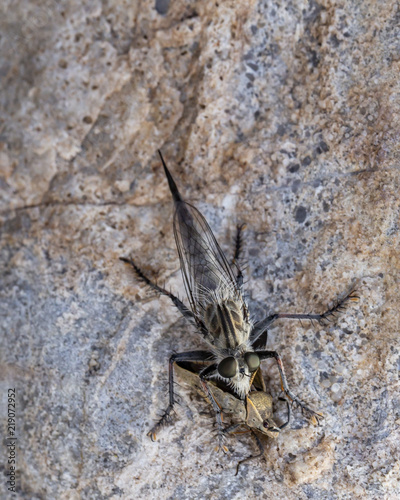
205	270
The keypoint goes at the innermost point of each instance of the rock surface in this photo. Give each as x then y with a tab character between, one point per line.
283	116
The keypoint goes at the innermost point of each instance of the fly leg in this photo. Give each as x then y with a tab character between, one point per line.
183	356
238	250
204	376
144	279
260	329
238	241
313	415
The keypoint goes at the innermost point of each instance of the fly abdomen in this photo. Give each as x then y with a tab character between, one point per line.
224	321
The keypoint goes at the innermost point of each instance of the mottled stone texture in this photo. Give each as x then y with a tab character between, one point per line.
281	115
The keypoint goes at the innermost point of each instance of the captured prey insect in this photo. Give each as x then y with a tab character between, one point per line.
220	314
253	413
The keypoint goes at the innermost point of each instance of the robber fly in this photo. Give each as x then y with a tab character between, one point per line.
219	312
254	413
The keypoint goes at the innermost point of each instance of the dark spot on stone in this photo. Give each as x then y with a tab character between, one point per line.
240	137
293	167
87	119
314	59
162	6
253	66
324	146
334	41
183	96
253	252
306	161
250	76
300	214
63	63
254	29
281	130
325	206
314	12
295	186
21	222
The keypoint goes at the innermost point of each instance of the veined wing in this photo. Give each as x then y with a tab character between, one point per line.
206	272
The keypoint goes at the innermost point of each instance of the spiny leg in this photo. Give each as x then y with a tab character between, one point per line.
252	457
261	327
144	279
238	242
313	415
238	250
183	356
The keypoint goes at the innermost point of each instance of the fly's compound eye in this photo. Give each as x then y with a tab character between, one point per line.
252	360
228	367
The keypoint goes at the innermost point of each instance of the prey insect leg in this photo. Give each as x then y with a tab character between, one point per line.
285	387
182	356
142	277
252	457
288	414
232	429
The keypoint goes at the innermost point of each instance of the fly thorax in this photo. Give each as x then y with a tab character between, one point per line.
225	322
